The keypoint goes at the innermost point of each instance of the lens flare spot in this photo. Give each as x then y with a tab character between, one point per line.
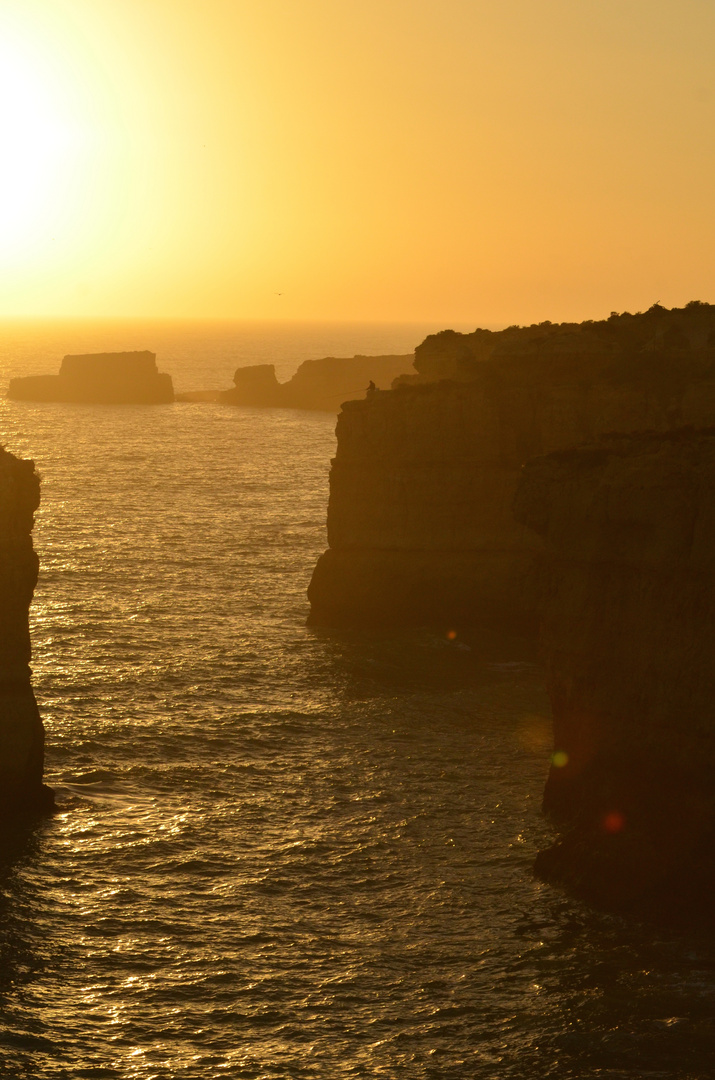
614	822
559	758
451	635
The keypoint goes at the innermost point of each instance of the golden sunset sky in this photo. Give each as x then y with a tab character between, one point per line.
450	160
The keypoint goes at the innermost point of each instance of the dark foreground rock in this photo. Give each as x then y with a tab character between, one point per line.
21	730
420	524
627	588
128	378
317	384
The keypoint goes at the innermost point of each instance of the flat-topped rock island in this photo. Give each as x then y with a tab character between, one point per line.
125	378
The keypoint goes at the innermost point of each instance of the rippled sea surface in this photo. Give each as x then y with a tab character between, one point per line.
280	851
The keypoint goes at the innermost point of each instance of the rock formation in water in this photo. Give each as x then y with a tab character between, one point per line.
627	596
317	384
127	378
254	385
419	518
21	731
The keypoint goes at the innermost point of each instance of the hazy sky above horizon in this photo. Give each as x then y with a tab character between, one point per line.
450	160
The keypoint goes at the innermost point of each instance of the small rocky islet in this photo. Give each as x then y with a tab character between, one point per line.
556	481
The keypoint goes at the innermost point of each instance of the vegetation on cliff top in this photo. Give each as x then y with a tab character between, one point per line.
687	330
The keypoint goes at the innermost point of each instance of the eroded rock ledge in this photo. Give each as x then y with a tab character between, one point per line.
21	730
627	596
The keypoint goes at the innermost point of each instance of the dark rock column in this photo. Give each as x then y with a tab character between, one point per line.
628	636
21	730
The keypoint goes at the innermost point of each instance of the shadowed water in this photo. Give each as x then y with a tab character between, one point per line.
282	852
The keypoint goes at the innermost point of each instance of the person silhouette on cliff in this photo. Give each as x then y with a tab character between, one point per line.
371	388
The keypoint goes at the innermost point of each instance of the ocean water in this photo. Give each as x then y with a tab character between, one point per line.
282	852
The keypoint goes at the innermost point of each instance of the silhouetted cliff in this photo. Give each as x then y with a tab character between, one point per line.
627	595
594	345
127	378
21	731
317	384
419	518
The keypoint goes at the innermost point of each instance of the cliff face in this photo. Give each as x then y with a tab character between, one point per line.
420	525
99	378
317	384
419	521
21	731
628	632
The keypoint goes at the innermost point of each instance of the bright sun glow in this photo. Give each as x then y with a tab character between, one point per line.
459	162
40	145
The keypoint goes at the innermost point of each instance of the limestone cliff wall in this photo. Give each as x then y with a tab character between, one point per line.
420	525
21	731
419	518
627	596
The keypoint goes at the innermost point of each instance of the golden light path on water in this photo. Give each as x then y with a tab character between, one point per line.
284	852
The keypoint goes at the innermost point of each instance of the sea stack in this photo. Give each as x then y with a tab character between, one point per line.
627	599
420	522
126	378
21	730
255	385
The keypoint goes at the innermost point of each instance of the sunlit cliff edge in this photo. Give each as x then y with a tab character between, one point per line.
627	600
21	730
420	525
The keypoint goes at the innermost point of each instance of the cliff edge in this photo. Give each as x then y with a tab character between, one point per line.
627	595
21	730
420	525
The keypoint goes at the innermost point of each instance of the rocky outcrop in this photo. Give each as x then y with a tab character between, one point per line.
254	385
627	595
317	384
420	525
21	731
127	378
